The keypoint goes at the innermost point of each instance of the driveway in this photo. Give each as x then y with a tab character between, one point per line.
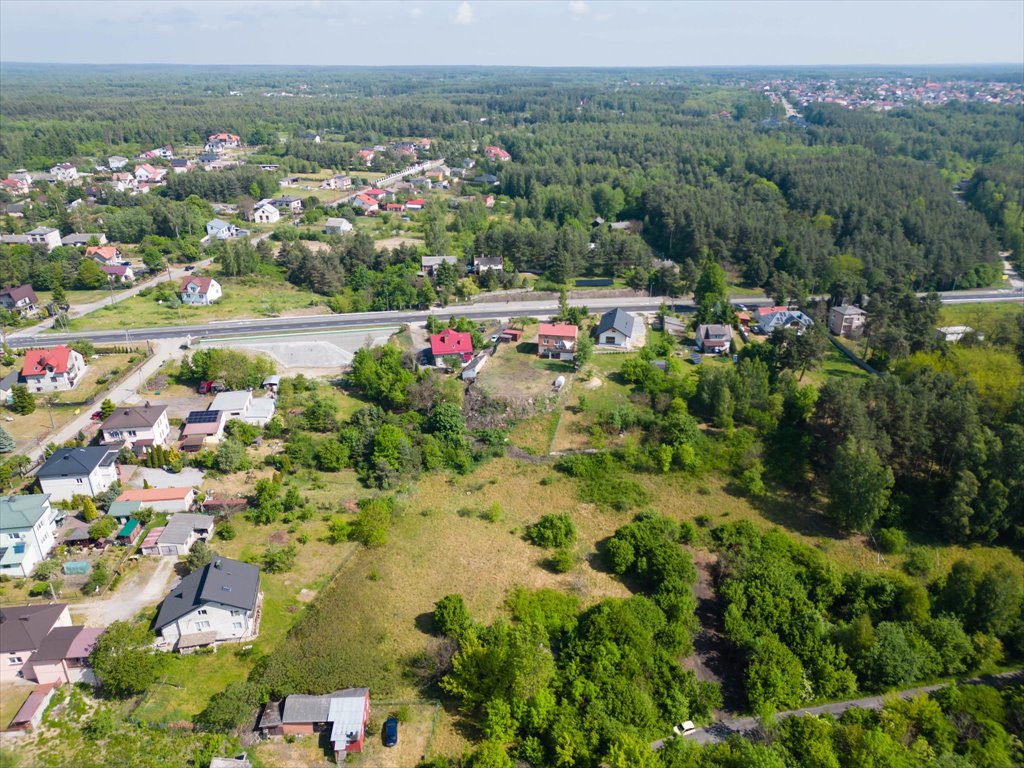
142	589
189	477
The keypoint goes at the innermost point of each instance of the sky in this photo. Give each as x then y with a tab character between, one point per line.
524	32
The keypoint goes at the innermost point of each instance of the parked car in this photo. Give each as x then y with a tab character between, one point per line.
389	733
96	415
494	338
684	728
190	267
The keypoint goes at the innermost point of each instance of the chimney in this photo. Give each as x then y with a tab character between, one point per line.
217	564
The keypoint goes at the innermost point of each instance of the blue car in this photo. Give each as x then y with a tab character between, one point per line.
390	732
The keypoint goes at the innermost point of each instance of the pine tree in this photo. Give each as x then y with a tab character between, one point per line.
6	441
21	401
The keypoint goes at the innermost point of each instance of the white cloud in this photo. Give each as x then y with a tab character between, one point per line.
416	12
464	14
579	7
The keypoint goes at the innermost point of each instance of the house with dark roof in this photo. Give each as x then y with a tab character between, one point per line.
714	338
776	319
78	471
28	531
342	714
482	264
619	329
23	628
79	239
217	603
142	425
20	298
63	655
57	369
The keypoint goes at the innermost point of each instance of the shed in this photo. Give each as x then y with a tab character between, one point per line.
130	532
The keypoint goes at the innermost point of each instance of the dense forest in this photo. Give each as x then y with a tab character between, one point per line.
851	204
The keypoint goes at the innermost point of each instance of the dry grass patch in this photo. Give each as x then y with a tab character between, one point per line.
12	696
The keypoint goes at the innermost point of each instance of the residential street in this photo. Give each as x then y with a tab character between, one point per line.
723	729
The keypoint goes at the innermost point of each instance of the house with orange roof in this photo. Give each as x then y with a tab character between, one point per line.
104	254
147	172
199	291
161	499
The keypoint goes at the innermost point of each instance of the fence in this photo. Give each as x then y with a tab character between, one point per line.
853	357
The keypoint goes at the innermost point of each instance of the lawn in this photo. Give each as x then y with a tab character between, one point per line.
995	321
515	373
12	696
244	297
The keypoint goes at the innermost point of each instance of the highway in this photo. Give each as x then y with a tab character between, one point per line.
480	311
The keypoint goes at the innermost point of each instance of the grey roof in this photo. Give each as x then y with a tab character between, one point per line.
77	462
217	223
849	309
488	261
714	331
180	527
619	320
302	708
241	761
79	238
225	581
134	417
23	627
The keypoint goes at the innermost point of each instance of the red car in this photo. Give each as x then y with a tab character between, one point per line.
96	415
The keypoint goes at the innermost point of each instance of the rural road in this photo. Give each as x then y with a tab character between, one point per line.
135	593
723	729
481	311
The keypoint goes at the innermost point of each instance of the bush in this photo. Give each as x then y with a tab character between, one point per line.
492	514
919	562
553	531
370	528
563	561
226	532
279	559
451	616
892	541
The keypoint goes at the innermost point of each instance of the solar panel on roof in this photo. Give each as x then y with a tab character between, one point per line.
202	417
695	358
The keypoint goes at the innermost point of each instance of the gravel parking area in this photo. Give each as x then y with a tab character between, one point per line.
321	350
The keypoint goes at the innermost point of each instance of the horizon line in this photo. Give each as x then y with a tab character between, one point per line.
512	66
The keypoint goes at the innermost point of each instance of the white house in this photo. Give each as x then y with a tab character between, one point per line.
71	471
52	370
483	264
714	338
337	226
218	602
242	405
47	236
621	330
19	298
219	229
288	204
199	290
847	321
143	426
28	529
147	172
266	214
65	172
116	162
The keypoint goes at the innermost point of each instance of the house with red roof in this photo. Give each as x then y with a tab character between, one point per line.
557	340
394	207
162	499
451	349
379	195
16	187
497	153
417	204
52	370
147	172
199	291
367	204
367	155
103	254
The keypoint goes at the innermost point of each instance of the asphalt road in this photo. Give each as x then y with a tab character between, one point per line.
482	311
723	729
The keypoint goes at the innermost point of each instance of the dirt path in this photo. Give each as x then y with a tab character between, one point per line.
711	660
144	588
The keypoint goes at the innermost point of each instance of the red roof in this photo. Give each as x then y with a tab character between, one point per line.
394	207
39	362
105	252
451	343
202	282
366	200
224	137
418	201
366	153
763	312
497	152
376	192
558	329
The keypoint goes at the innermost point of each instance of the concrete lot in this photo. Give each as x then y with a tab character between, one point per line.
317	350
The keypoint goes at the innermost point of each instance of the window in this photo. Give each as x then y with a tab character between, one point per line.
131	433
14	659
201	625
80	480
237	626
236	613
609	339
201	612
